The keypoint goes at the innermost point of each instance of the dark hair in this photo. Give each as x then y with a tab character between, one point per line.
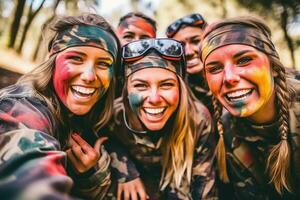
138	14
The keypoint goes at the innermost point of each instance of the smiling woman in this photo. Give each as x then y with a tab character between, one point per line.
55	112
165	130
262	124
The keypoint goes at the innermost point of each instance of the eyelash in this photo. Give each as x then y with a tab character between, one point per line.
244	60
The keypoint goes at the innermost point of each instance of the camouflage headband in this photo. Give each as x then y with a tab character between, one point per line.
153	61
237	34
85	35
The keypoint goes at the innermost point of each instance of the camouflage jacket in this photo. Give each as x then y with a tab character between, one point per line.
247	149
33	164
143	158
199	88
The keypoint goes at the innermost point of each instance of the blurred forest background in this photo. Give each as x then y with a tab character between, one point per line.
21	38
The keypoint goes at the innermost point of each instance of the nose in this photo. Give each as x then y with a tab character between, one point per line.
188	50
154	97
231	77
88	74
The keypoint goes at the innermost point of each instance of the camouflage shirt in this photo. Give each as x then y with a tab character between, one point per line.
247	149
143	158
33	164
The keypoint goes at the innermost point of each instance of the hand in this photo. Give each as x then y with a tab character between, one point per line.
82	155
132	190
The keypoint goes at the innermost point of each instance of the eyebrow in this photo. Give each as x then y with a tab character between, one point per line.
240	53
144	81
84	54
234	56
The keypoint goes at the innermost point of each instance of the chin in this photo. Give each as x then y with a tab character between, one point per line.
155	127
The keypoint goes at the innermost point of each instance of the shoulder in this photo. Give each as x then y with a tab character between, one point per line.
19	105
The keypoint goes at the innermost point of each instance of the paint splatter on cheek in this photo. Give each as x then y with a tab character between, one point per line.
135	101
61	77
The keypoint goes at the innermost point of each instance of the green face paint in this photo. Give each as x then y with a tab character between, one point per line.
135	102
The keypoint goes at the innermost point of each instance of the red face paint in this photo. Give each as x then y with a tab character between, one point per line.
62	75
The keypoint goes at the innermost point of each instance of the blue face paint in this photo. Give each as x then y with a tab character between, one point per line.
135	102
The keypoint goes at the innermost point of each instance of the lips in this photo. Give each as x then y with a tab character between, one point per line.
82	91
192	62
238	95
154	111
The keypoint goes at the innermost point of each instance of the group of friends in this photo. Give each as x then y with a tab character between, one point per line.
207	112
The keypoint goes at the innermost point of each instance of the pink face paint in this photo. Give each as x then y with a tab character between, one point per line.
62	75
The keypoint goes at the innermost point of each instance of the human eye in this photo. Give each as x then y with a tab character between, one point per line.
103	64
140	86
214	69
244	60
75	58
167	85
128	36
195	41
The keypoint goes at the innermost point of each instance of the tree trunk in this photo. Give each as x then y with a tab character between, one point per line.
16	23
37	48
288	39
30	18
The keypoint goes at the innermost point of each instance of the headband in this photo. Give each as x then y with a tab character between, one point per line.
139	23
237	34
153	60
85	35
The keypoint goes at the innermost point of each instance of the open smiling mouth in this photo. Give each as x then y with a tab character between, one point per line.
239	95
155	111
83	92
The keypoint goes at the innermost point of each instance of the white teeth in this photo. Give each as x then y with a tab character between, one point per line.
83	90
238	93
154	111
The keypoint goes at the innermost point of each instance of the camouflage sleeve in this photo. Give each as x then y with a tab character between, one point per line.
96	185
204	172
122	166
32	166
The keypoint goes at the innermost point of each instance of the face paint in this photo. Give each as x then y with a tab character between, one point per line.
241	78
154	98
135	28
82	75
191	38
135	102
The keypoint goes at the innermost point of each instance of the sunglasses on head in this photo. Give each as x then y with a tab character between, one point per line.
193	20
168	48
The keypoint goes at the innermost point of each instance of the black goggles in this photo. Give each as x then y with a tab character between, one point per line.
168	48
192	20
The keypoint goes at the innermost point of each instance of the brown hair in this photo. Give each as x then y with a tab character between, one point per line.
278	163
41	77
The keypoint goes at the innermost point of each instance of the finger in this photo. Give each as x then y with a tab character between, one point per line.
74	161
126	195
120	191
133	195
142	194
99	142
82	143
77	152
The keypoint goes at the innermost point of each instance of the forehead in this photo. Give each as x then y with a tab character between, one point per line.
157	74
87	51
187	33
134	30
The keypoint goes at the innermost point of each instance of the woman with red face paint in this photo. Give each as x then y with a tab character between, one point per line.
55	112
165	130
258	151
135	26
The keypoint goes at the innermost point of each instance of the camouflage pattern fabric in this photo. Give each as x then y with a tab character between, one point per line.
32	162
85	35
247	149
237	34
153	60
144	156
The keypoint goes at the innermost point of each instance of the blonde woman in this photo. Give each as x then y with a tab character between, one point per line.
166	132
258	148
58	107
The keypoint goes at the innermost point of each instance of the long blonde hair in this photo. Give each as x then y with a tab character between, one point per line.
278	163
40	79
178	145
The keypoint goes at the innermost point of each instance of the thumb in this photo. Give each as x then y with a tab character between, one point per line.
99	143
